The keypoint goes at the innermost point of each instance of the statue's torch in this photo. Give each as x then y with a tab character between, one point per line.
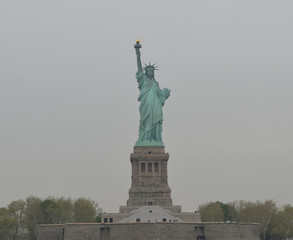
137	44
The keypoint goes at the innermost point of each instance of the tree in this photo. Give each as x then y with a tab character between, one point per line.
33	215
84	210
24	215
16	210
65	210
57	211
211	212
7	224
99	216
49	211
217	212
258	212
283	223
229	211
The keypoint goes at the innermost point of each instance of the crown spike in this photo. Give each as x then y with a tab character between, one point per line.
150	65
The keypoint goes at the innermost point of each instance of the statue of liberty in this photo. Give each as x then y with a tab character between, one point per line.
151	99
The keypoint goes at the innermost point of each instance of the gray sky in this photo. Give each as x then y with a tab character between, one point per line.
69	110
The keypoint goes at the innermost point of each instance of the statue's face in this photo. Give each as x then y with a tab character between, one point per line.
149	72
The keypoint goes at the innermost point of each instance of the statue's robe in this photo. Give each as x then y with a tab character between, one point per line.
151	99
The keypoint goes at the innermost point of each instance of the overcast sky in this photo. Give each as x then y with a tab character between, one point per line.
69	110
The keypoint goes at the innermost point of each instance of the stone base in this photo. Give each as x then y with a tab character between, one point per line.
149	184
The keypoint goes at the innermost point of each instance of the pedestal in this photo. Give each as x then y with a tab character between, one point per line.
149	180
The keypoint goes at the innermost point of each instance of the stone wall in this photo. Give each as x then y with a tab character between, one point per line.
50	232
248	231
79	231
149	231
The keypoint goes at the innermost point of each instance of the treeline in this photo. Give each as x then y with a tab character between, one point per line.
275	223
19	218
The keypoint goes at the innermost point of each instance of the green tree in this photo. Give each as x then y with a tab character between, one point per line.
283	223
7	224
57	210
99	216
65	210
258	212
84	210
49	211
217	212
16	210
24	215
229	211
211	212
33	215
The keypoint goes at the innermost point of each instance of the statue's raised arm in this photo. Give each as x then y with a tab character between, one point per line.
137	46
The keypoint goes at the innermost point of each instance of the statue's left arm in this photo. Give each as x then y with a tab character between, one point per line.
165	93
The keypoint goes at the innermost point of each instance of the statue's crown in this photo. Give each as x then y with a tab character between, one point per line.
153	66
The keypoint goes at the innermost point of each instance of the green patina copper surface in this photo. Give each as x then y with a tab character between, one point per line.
152	99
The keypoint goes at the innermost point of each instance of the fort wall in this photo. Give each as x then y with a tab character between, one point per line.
149	231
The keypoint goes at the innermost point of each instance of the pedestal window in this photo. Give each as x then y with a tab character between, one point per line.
156	167
142	168
150	169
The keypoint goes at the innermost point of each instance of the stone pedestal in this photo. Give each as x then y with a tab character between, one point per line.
149	177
